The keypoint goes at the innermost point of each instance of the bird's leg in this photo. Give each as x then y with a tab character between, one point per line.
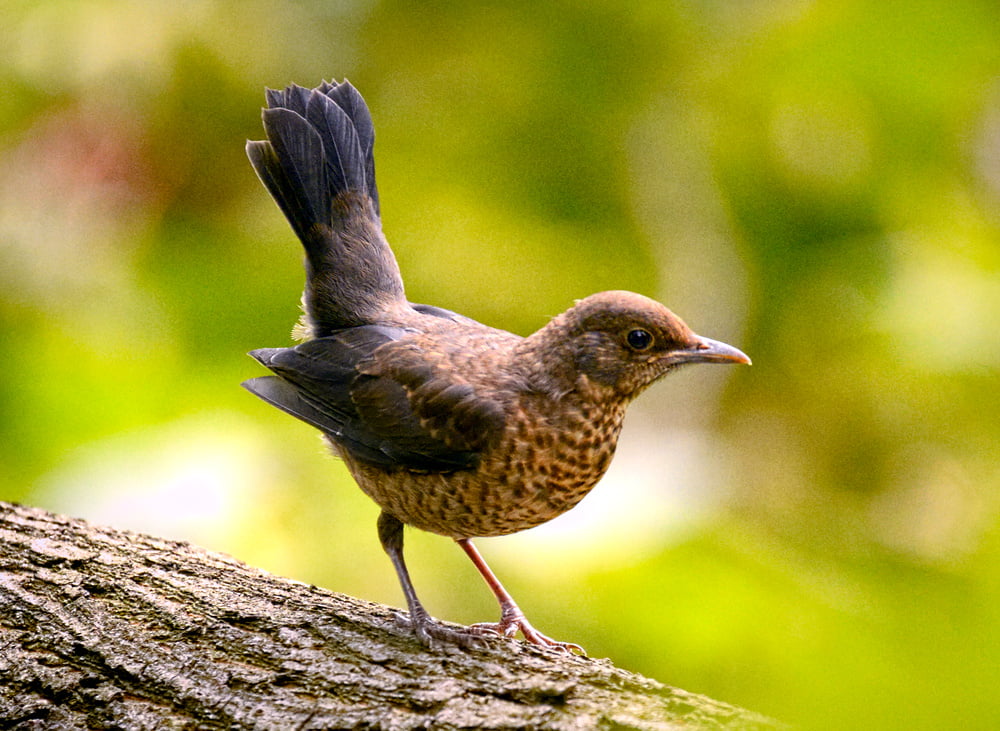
512	618
427	630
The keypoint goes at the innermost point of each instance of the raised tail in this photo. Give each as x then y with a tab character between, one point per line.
317	164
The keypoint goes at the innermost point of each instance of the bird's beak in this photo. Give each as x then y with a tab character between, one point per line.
706	350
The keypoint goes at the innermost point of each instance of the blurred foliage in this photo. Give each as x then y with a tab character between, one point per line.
816	537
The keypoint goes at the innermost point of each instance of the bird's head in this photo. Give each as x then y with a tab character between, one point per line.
622	342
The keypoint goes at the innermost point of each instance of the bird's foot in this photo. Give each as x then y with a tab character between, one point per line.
513	621
431	633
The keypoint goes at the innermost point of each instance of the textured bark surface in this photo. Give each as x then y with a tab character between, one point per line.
101	628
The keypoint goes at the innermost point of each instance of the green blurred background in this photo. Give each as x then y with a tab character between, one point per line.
816	537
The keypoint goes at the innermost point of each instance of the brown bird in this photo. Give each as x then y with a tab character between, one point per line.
450	426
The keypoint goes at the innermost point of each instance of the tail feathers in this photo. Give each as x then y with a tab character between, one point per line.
320	145
290	166
317	162
348	99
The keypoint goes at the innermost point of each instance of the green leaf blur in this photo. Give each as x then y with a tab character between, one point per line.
816	537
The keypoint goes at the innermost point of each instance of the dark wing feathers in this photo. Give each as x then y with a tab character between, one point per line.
380	400
279	392
442	313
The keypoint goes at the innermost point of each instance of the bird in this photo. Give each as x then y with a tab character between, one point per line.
450	426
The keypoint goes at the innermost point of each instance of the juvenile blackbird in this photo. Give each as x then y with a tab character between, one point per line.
450	426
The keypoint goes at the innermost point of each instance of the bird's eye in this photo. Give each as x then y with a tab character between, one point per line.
639	339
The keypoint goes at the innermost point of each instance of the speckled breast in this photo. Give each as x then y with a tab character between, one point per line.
541	468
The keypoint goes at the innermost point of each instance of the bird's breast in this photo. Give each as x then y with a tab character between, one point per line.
556	458
543	465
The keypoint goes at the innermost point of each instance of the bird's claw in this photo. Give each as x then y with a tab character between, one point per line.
510	624
431	633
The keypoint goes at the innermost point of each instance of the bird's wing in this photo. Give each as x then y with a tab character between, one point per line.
378	397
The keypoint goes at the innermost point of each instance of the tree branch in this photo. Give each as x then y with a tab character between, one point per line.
103	628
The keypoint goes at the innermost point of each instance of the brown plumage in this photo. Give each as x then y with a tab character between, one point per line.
448	425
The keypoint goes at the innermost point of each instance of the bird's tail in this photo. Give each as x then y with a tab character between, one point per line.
318	165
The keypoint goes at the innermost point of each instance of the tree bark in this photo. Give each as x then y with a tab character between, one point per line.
102	628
